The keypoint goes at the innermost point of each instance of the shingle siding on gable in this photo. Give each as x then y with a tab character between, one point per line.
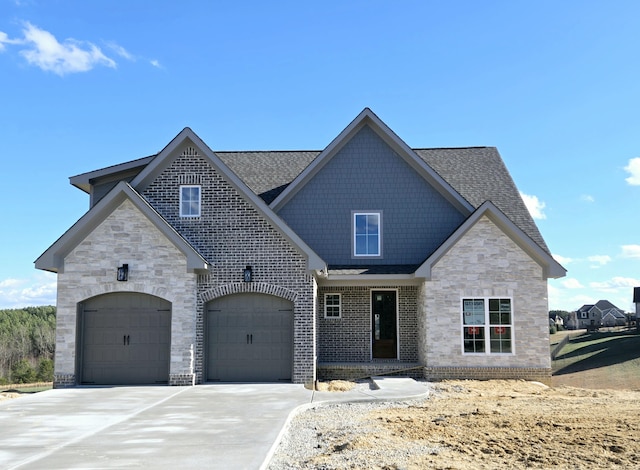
231	234
367	175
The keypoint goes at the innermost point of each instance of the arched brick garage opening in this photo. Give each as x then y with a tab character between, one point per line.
124	339
249	338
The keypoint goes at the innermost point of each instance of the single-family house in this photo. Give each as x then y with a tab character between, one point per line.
589	316
602	313
366	257
611	315
636	301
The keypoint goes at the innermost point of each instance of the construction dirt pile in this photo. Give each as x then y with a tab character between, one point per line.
471	425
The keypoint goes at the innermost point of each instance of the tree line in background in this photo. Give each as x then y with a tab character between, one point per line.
27	344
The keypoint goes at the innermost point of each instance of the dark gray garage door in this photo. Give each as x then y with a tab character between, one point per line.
126	339
249	338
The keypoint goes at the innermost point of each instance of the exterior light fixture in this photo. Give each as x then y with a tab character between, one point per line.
247	274
123	273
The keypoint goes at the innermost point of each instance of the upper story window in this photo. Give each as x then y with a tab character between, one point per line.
332	306
190	201
487	326
367	234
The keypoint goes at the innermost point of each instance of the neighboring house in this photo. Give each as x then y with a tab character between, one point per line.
572	321
367	257
636	300
603	313
589	317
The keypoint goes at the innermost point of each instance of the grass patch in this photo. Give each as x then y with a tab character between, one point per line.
27	388
603	358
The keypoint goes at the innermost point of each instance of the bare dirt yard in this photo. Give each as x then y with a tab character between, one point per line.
473	425
589	418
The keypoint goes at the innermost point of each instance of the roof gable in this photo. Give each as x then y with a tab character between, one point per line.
551	268
53	258
368	118
189	138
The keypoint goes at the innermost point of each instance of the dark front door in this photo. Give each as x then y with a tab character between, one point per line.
384	331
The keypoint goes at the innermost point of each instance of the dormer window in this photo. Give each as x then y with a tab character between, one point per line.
367	234
190	201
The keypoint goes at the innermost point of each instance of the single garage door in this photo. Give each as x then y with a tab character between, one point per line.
249	338
126	339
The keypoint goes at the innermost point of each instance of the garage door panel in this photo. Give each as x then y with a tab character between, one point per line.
249	338
126	339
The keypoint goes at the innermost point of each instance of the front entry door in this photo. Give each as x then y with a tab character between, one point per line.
384	330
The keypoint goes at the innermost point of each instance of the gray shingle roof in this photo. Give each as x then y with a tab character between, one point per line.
478	174
268	173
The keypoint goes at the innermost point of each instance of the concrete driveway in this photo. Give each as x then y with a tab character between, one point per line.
222	426
226	426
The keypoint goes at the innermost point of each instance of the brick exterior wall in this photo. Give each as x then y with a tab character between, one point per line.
232	234
436	374
156	267
484	263
348	339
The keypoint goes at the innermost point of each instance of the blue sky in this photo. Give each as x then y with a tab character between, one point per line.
554	85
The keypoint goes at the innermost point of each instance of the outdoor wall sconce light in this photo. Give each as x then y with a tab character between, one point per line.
248	274
123	273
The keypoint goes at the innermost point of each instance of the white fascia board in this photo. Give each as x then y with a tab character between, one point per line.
550	267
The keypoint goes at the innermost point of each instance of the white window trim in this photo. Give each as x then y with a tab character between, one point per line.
199	200
339	305
353	234
487	326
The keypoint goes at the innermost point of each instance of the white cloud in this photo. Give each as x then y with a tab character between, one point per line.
600	260
615	283
4	39
572	283
633	168
121	51
44	51
155	63
587	198
562	259
535	206
19	293
631	251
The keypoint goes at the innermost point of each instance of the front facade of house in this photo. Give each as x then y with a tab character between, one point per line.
366	258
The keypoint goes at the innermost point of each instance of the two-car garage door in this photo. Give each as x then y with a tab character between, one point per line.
125	339
249	338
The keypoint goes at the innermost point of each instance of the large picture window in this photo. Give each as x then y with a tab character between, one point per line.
189	201
367	234
487	326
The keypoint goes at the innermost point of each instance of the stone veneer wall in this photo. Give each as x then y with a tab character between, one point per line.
156	267
348	339
484	263
232	234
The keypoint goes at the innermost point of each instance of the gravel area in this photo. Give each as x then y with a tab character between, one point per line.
468	425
